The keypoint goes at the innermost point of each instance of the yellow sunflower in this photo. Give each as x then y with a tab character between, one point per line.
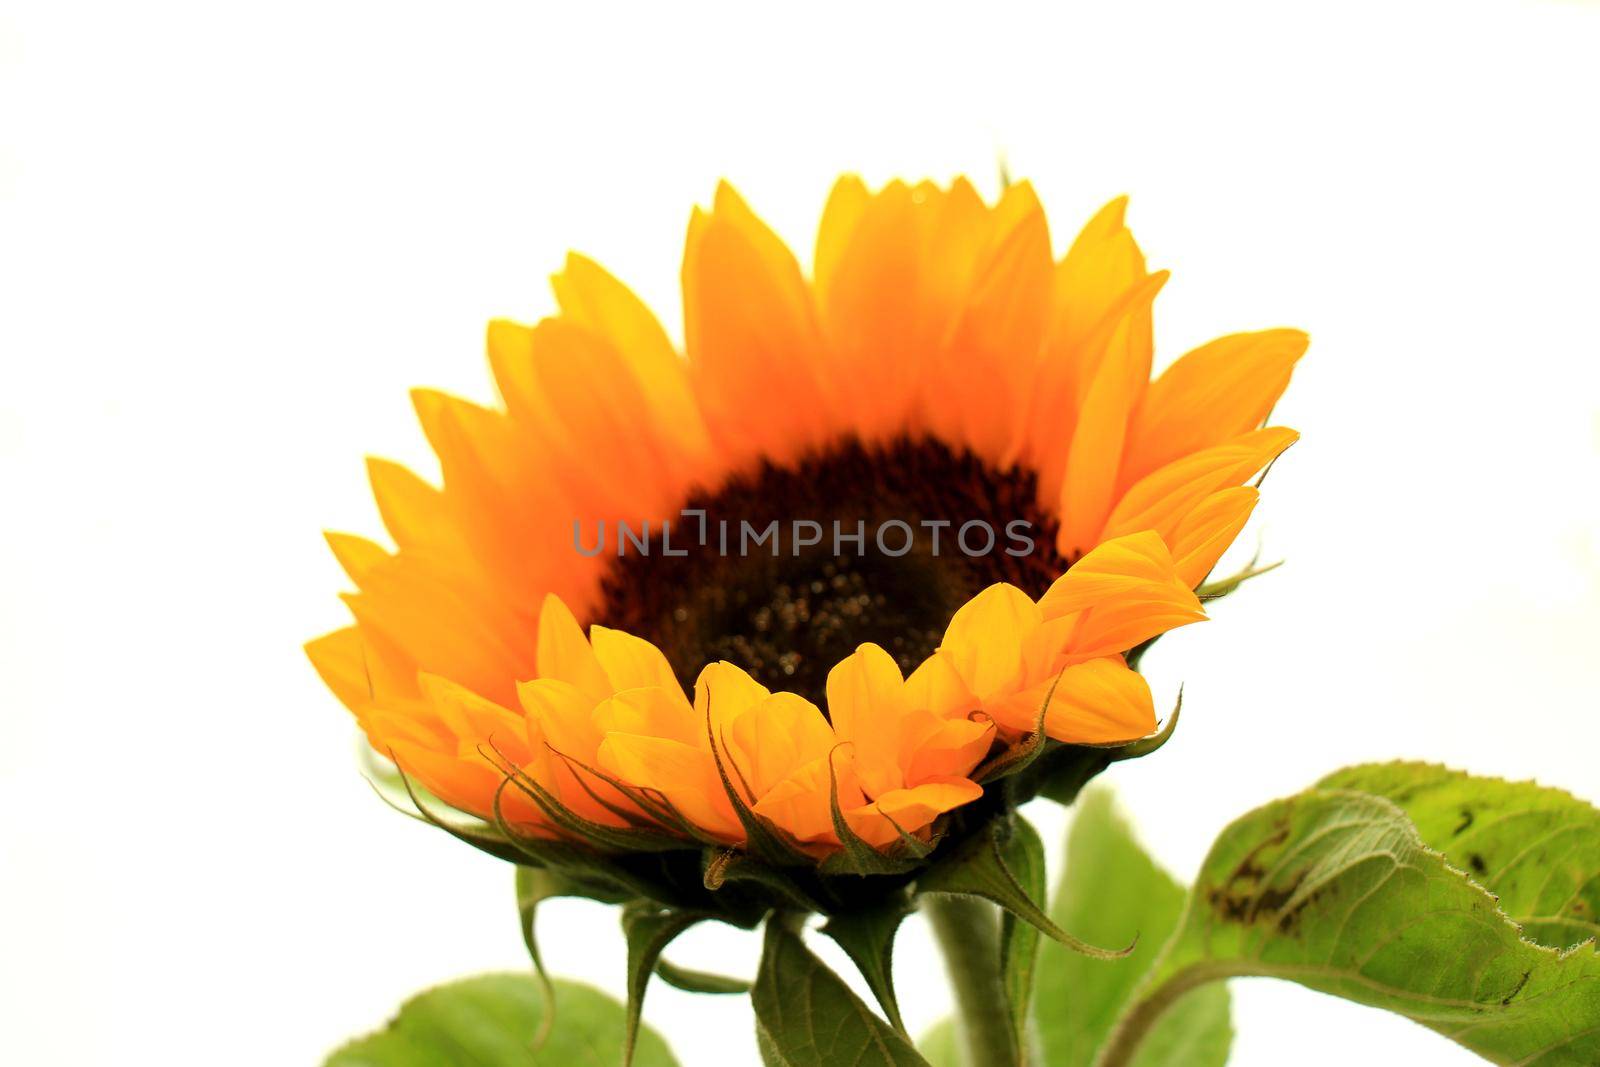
865	531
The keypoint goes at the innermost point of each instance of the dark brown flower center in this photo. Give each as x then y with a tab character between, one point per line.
790	568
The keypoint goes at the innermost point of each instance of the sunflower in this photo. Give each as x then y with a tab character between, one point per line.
820	572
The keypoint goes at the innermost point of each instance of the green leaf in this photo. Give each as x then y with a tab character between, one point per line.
1335	890
1111	891
807	1017
867	936
941	1044
977	868
649	929
1536	848
490	1020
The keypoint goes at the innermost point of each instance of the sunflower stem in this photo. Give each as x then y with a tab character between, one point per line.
968	932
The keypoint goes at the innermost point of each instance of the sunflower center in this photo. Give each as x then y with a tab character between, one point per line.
785	570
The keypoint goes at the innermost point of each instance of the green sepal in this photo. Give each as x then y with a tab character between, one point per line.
486	839
731	865
867	936
857	856
534	885
1221	587
614	838
590	874
807	1017
649	929
977	868
1020	757
1062	771
1023	855
692	981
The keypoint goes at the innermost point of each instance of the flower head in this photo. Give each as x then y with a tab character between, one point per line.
872	535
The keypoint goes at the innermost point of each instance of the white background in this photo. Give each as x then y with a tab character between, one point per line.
232	236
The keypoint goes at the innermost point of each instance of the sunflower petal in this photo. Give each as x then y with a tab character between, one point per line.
1100	702
1217	392
867	705
630	662
594	299
1161	500
985	639
751	334
564	654
1115	389
910	810
1206	532
685	774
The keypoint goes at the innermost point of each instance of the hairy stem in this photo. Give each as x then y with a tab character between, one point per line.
968	931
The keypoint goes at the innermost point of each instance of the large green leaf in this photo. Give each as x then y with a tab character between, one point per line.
1536	848
1111	891
1335	890
807	1017
490	1021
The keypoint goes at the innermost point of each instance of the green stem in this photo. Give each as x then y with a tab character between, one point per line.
968	931
1148	1005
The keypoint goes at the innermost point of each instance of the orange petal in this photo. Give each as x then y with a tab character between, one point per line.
478	721
985	638
565	655
1100	702
355	554
630	662
802	803
341	661
775	738
1115	388
872	306
951	748
867	706
1123	593
685	775
1217	392
653	712
723	692
1206	532
1136	565
443	624
561	717
937	686
1163	499
847	203
1098	284
911	810
977	390
751	333
412	510
468	785
593	298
